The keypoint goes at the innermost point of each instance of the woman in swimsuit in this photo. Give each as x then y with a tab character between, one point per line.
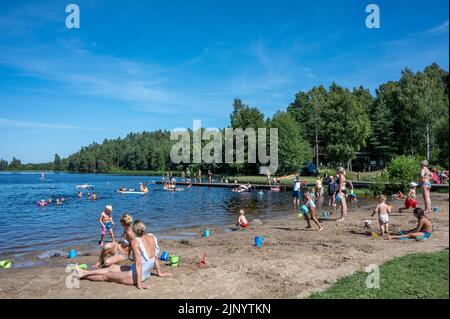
423	229
116	252
341	192
145	250
311	206
425	184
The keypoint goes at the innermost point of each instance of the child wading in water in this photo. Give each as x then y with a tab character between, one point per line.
423	229
383	211
310	211
410	201
107	223
242	221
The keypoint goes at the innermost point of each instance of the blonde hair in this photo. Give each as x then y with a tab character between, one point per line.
126	219
341	170
138	227
424	163
109	208
382	198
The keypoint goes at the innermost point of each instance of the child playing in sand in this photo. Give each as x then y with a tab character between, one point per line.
383	211
107	223
311	210
410	201
242	221
423	229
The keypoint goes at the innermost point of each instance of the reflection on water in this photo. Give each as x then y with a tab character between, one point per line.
26	228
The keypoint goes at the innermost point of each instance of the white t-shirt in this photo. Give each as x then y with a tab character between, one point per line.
297	186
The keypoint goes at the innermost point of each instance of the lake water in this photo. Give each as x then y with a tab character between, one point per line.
28	230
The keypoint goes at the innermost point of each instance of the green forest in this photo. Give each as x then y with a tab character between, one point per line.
338	121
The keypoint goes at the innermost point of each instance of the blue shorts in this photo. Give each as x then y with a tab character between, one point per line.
426	235
296	194
108	225
425	184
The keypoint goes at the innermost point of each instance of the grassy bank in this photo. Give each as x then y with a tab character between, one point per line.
421	276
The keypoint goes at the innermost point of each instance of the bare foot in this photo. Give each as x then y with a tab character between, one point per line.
79	272
320	229
341	220
308	227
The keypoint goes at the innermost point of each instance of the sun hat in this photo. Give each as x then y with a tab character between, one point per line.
413	184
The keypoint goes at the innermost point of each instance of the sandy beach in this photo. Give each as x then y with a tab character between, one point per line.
293	263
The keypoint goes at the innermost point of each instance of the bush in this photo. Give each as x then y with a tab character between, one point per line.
403	170
379	186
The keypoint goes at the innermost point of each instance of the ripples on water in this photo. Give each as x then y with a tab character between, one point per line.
30	230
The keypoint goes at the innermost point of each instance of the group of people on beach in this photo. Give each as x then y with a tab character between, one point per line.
305	201
143	249
135	244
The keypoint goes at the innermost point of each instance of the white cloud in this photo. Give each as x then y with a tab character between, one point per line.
39	125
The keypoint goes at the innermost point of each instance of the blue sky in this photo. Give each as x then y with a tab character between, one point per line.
143	65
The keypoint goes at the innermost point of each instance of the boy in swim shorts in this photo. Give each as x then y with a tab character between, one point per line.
410	201
242	221
107	223
383	211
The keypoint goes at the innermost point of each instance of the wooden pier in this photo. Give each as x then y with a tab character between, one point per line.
285	187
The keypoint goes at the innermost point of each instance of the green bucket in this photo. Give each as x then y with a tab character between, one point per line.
5	264
174	260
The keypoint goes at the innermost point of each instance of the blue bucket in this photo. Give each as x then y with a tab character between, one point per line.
304	210
72	254
206	233
164	256
325	215
259	241
436	209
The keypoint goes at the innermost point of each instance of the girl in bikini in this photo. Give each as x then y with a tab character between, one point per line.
425	184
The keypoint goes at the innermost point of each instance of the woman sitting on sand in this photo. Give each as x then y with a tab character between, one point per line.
116	252
423	229
145	250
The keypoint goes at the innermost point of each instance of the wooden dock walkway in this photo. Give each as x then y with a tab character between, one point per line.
285	187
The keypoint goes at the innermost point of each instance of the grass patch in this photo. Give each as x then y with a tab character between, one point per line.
415	276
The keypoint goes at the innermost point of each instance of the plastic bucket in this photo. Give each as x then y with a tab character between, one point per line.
259	241
5	264
164	256
206	233
325	215
72	254
174	260
436	209
304	210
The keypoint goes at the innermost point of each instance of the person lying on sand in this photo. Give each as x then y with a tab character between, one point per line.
116	252
242	221
423	229
145	251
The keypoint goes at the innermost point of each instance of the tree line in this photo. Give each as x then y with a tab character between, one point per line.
398	120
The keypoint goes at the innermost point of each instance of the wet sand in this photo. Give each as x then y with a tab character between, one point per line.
293	263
